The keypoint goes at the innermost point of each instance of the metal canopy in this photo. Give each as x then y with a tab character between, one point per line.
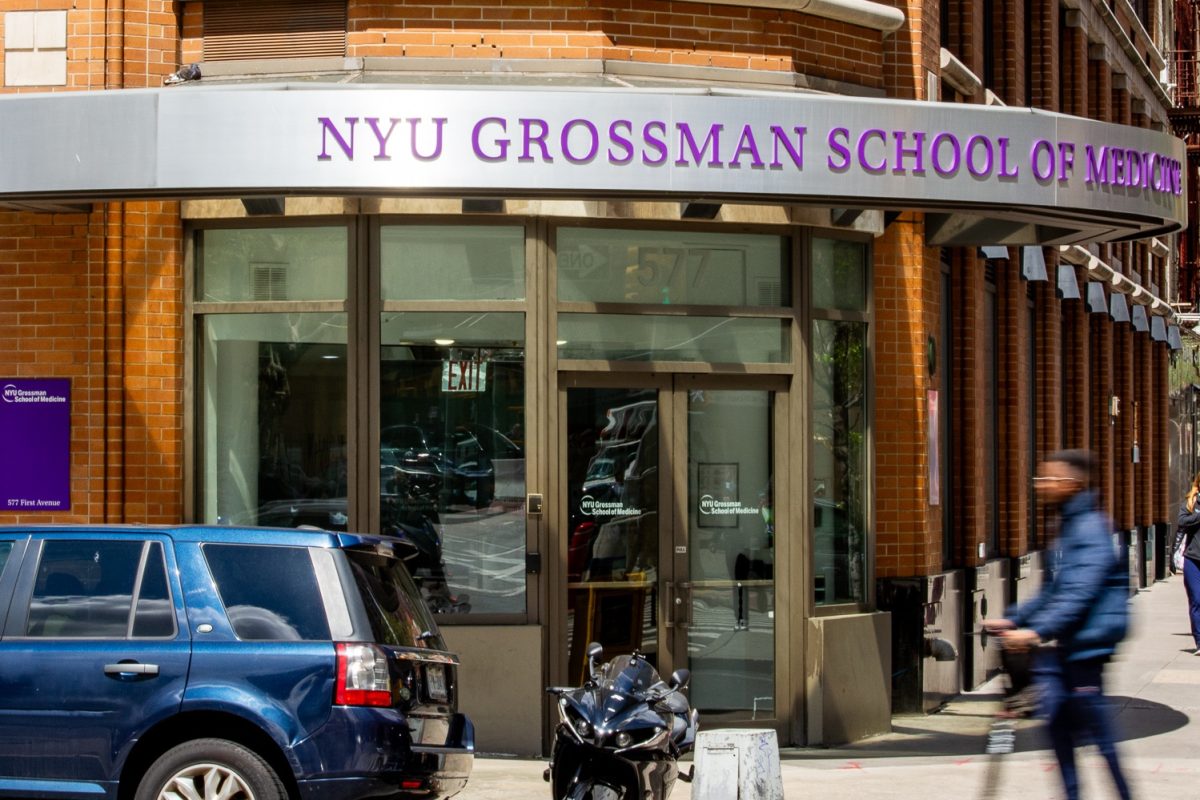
984	174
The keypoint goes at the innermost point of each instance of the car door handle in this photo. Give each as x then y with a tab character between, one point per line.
130	668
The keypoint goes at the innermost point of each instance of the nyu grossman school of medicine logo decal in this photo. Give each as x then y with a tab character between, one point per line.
35	444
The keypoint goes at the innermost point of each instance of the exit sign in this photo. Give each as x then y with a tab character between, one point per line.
464	376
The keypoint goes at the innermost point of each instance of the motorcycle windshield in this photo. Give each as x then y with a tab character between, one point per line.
628	675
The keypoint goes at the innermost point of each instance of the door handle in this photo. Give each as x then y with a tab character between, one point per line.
684	598
670	599
130	668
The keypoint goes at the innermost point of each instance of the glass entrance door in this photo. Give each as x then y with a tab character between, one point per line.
670	533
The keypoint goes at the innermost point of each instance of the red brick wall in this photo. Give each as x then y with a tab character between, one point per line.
96	298
907	287
1013	404
135	44
967	288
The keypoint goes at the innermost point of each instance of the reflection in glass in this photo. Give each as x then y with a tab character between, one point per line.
273	414
269	593
839	275
452	262
627	337
272	264
612	522
452	455
839	473
731	545
599	265
84	589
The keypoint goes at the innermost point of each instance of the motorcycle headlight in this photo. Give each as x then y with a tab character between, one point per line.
647	738
582	727
578	725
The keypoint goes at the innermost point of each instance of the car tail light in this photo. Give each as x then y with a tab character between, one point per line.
362	676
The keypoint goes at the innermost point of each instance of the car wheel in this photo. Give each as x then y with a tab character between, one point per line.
208	769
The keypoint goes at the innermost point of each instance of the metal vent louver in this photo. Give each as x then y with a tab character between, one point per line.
235	30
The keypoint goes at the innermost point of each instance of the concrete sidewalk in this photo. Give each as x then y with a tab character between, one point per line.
1154	685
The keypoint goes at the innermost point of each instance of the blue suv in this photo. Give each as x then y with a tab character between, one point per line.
213	662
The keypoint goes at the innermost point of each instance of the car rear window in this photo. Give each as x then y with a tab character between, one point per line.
397	614
270	592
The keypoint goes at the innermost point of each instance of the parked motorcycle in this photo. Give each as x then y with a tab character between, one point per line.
621	734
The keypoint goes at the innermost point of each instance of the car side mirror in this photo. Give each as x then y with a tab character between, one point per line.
679	679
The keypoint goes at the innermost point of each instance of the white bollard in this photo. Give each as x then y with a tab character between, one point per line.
734	764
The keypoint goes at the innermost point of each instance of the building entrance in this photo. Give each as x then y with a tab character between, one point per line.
670	531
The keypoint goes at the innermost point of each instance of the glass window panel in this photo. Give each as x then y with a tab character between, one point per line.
452	455
155	616
272	264
680	267
839	463
452	262
273	416
839	275
731	551
269	593
84	589
612	475
622	337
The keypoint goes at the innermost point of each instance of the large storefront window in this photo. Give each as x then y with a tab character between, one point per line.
452	411
272	386
839	421
273	405
452	454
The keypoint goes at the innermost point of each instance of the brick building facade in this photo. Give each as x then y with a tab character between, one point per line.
991	332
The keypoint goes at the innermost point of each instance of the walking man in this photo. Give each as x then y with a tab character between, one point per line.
1083	607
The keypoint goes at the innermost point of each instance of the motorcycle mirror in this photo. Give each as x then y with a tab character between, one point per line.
594	651
680	678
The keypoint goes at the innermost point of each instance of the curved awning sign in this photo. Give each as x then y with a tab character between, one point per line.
1044	177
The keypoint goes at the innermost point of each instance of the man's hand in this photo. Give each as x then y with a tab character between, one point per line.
1020	640
998	625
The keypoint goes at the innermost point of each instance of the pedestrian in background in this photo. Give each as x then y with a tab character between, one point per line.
1186	528
1083	609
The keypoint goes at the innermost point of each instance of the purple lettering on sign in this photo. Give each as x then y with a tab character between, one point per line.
686	138
528	139
746	145
500	143
839	141
35	429
656	143
439	123
593	141
1042	152
936	150
327	127
989	157
917	151
620	140
373	122
872	133
796	153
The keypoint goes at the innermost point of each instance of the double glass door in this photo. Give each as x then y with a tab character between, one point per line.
670	531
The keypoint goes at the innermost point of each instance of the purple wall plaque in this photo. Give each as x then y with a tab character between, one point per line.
35	440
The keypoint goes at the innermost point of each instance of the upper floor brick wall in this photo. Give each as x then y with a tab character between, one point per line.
679	33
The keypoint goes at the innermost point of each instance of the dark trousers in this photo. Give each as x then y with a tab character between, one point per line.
1191	582
1072	700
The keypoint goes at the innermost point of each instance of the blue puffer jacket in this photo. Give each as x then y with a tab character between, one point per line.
1085	605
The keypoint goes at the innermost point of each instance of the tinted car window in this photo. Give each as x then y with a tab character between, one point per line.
270	593
155	616
84	589
397	614
5	549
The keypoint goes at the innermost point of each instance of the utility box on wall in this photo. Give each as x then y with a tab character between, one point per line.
926	639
